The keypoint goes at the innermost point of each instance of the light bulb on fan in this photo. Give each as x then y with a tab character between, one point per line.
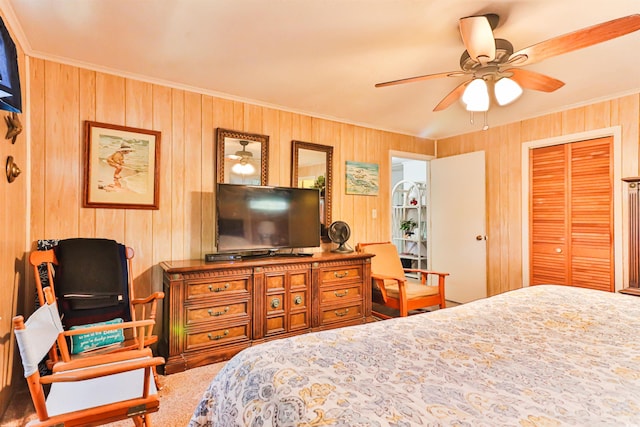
243	167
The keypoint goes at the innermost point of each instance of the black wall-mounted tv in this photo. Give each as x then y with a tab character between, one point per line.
253	218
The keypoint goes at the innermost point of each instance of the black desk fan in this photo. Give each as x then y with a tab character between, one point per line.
339	232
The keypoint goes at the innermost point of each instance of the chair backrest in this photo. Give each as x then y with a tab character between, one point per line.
386	260
92	279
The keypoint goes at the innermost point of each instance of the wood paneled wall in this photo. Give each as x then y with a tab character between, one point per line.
62	97
13	220
503	149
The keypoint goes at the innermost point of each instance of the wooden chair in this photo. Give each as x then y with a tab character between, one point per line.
93	390
128	307
395	289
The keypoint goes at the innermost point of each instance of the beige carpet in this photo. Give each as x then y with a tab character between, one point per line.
179	396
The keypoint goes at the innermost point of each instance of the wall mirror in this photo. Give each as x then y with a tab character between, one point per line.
311	167
242	158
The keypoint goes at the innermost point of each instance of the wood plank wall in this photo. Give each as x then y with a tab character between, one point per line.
13	220
503	149
63	97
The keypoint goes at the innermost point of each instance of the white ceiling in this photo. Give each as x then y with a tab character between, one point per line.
323	57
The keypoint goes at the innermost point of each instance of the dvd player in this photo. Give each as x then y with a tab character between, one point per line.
222	257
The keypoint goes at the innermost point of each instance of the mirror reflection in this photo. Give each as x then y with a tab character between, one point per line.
242	157
311	167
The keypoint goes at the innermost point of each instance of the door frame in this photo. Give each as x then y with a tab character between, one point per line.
619	203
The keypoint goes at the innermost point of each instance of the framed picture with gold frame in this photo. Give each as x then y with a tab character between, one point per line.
121	168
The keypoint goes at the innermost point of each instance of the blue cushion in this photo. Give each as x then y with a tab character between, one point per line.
94	340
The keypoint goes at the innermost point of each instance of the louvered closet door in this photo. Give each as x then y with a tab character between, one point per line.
571	214
548	227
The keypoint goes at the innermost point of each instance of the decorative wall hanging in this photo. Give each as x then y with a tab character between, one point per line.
14	127
362	178
121	167
12	169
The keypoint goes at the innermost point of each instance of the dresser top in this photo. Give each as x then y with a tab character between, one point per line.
181	266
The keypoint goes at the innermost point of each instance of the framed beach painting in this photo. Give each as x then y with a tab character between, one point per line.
362	178
121	168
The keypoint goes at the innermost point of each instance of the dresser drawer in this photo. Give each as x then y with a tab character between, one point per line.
341	313
223	312
216	337
341	293
347	273
217	288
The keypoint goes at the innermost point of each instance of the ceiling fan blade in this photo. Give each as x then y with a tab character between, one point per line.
579	39
478	39
452	97
420	78
535	81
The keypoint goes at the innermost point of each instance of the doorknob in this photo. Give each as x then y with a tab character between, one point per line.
481	237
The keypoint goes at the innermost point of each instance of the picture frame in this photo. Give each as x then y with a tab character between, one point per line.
121	167
362	178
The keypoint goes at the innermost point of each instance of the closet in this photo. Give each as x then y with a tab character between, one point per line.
571	214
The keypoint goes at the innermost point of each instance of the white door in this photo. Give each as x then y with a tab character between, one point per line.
458	224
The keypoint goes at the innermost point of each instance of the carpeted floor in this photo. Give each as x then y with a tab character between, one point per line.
179	396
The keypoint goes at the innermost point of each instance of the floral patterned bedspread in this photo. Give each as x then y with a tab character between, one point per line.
538	356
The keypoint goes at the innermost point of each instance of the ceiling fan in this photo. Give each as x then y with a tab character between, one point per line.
493	62
244	158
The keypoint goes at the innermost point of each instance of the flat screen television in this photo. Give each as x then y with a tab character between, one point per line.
252	218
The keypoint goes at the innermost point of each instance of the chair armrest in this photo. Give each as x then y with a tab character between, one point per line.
425	273
101	359
143	328
109	327
377	276
416	270
150	298
101	370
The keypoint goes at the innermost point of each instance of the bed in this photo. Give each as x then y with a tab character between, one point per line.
537	356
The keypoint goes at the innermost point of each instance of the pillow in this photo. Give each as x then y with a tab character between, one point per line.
94	340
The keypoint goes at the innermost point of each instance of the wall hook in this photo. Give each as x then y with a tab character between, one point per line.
12	170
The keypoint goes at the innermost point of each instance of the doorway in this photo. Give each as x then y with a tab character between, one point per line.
410	168
467	280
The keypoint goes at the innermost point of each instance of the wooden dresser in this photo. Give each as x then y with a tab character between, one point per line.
214	310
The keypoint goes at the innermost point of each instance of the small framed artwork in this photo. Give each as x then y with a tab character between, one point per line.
121	168
362	178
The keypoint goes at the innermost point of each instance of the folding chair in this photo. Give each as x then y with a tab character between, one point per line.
94	390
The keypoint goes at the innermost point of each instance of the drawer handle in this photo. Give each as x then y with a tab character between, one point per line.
344	313
275	303
297	300
217	313
340	295
224	288
217	337
340	275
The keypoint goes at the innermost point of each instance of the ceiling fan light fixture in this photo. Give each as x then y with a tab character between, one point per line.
244	153
506	91
243	167
476	96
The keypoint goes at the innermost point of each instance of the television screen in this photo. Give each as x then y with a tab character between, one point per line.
254	218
